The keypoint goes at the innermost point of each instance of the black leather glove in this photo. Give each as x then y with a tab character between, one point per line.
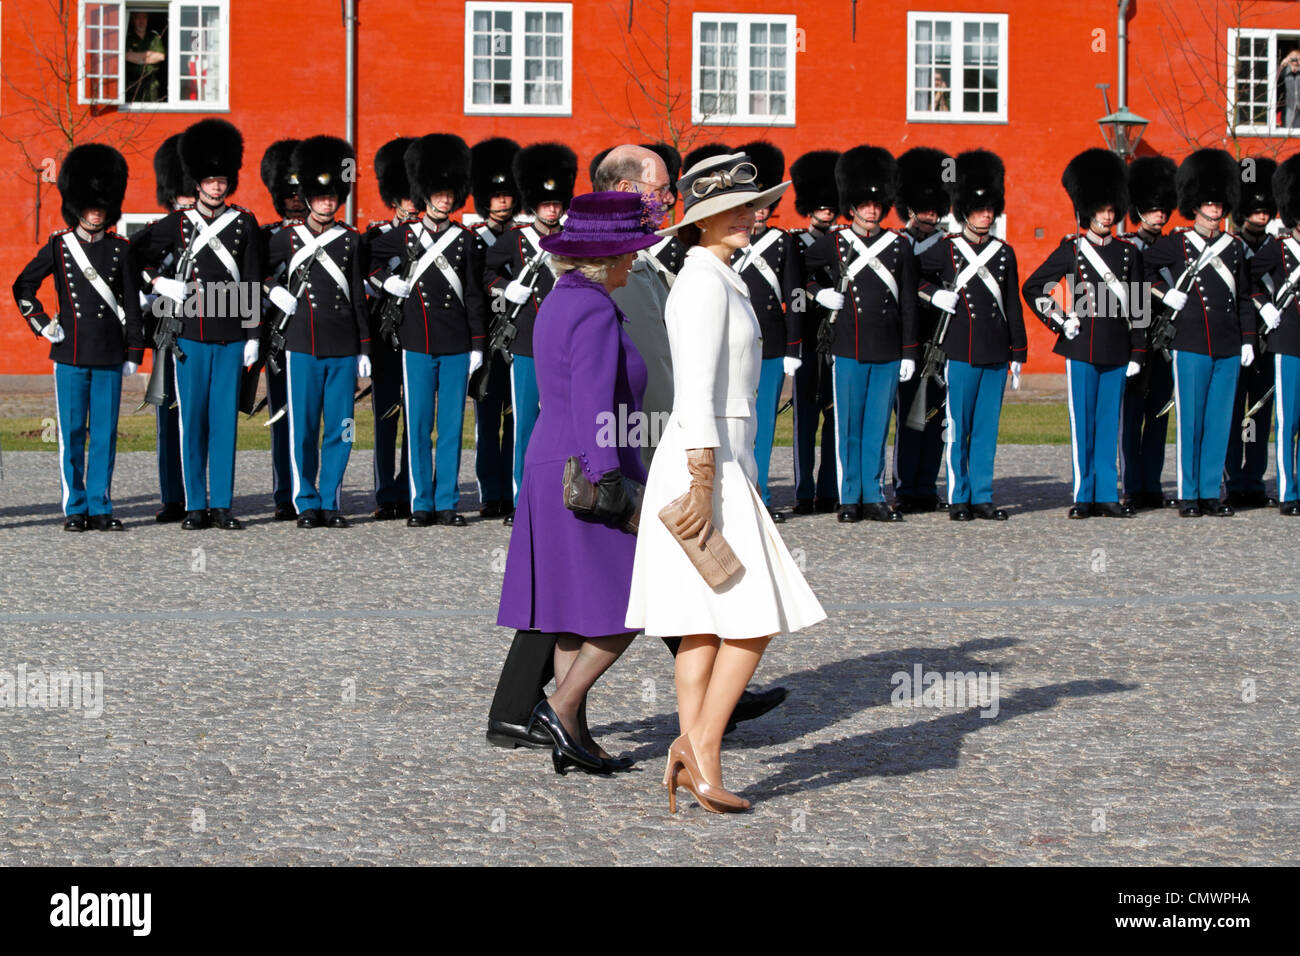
613	505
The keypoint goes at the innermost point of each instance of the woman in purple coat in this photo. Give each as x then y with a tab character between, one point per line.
567	578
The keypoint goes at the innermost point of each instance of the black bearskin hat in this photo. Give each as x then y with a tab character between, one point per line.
545	172
278	175
672	159
436	162
866	174
170	181
1093	179
1286	190
1208	175
921	186
325	166
768	160
701	153
813	175
490	165
1257	194
979	183
390	171
93	176
213	147
1151	186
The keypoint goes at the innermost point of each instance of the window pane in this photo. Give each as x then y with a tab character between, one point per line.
481	93
482	21
708	32
758	56
757	104
970	102
553	71
990	79
728	78
943	31
533	22
482	44
554	23
504	21
990	102
730	33
778	34
777	57
501	69
554	45
708	103
758	33
778	101
482	70
970	32
532	44
777	80
708	55
758	81
501	93
924	31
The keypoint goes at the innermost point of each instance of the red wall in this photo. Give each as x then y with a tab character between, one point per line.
287	79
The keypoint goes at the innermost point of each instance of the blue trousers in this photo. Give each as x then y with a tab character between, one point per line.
1203	389
167	427
1286	371
770	378
392	485
974	410
320	392
277	396
436	386
1142	434
917	455
812	401
494	440
1095	394
527	404
1243	471
864	397
207	383
86	402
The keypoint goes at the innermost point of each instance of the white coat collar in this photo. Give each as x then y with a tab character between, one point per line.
724	270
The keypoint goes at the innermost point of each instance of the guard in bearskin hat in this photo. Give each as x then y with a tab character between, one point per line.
443	328
496	200
922	203
812	176
392	488
865	276
215	246
97	334
972	275
1101	332
517	279
1152	198
1280	314
327	336
1211	281
1243	472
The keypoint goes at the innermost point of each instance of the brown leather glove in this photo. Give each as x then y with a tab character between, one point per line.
698	516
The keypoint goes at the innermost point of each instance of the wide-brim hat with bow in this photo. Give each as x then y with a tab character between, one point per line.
719	183
603	224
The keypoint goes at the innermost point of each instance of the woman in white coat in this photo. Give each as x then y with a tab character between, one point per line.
707	448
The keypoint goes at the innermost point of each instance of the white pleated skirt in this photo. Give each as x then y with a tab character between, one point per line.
669	598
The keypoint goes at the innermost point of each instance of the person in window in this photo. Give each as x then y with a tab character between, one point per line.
1288	90
145	53
940	96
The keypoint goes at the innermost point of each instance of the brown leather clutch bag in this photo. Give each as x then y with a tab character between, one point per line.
712	557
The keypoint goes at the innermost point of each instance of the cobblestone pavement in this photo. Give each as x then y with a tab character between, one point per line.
286	696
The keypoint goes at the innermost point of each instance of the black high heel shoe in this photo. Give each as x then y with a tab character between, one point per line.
617	764
567	752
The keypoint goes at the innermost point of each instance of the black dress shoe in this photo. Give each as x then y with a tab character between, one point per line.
1236	498
804	506
419	519
1080	510
960	512
1257	499
309	519
1170	502
502	734
905	505
985	511
1189	509
509	521
223	519
929	503
617	764
850	514
776	516
824	505
74	523
879	511
1290	508
490	509
567	752
755	704
449	517
285	513
1219	509
1112	509
169	513
385	513
333	519
195	521
105	523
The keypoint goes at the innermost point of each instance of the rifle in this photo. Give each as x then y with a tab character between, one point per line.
166	332
274	350
390	308
1283	299
826	331
920	413
1162	331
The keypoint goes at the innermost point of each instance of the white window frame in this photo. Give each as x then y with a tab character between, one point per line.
136	219
517	107
1271	128
956	88
173	104
742	116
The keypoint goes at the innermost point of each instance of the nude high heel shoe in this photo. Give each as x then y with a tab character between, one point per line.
684	770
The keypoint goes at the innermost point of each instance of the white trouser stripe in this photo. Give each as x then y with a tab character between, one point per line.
293	447
514	403
410	444
180	427
1178	432
950	426
58	428
1074	426
1283	436
835	406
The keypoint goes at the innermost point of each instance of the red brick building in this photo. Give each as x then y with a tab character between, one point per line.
1016	76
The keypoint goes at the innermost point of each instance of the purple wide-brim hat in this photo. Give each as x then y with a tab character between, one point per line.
603	224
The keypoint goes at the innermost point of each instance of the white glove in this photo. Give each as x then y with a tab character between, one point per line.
944	299
173	289
1175	299
54	333
129	368
1071	327
1271	316
830	299
1247	355
1133	369
282	300
1015	376
906	369
517	292
475	360
363	366
251	349
790	364
397	286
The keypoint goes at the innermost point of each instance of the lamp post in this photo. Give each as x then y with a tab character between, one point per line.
1122	130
